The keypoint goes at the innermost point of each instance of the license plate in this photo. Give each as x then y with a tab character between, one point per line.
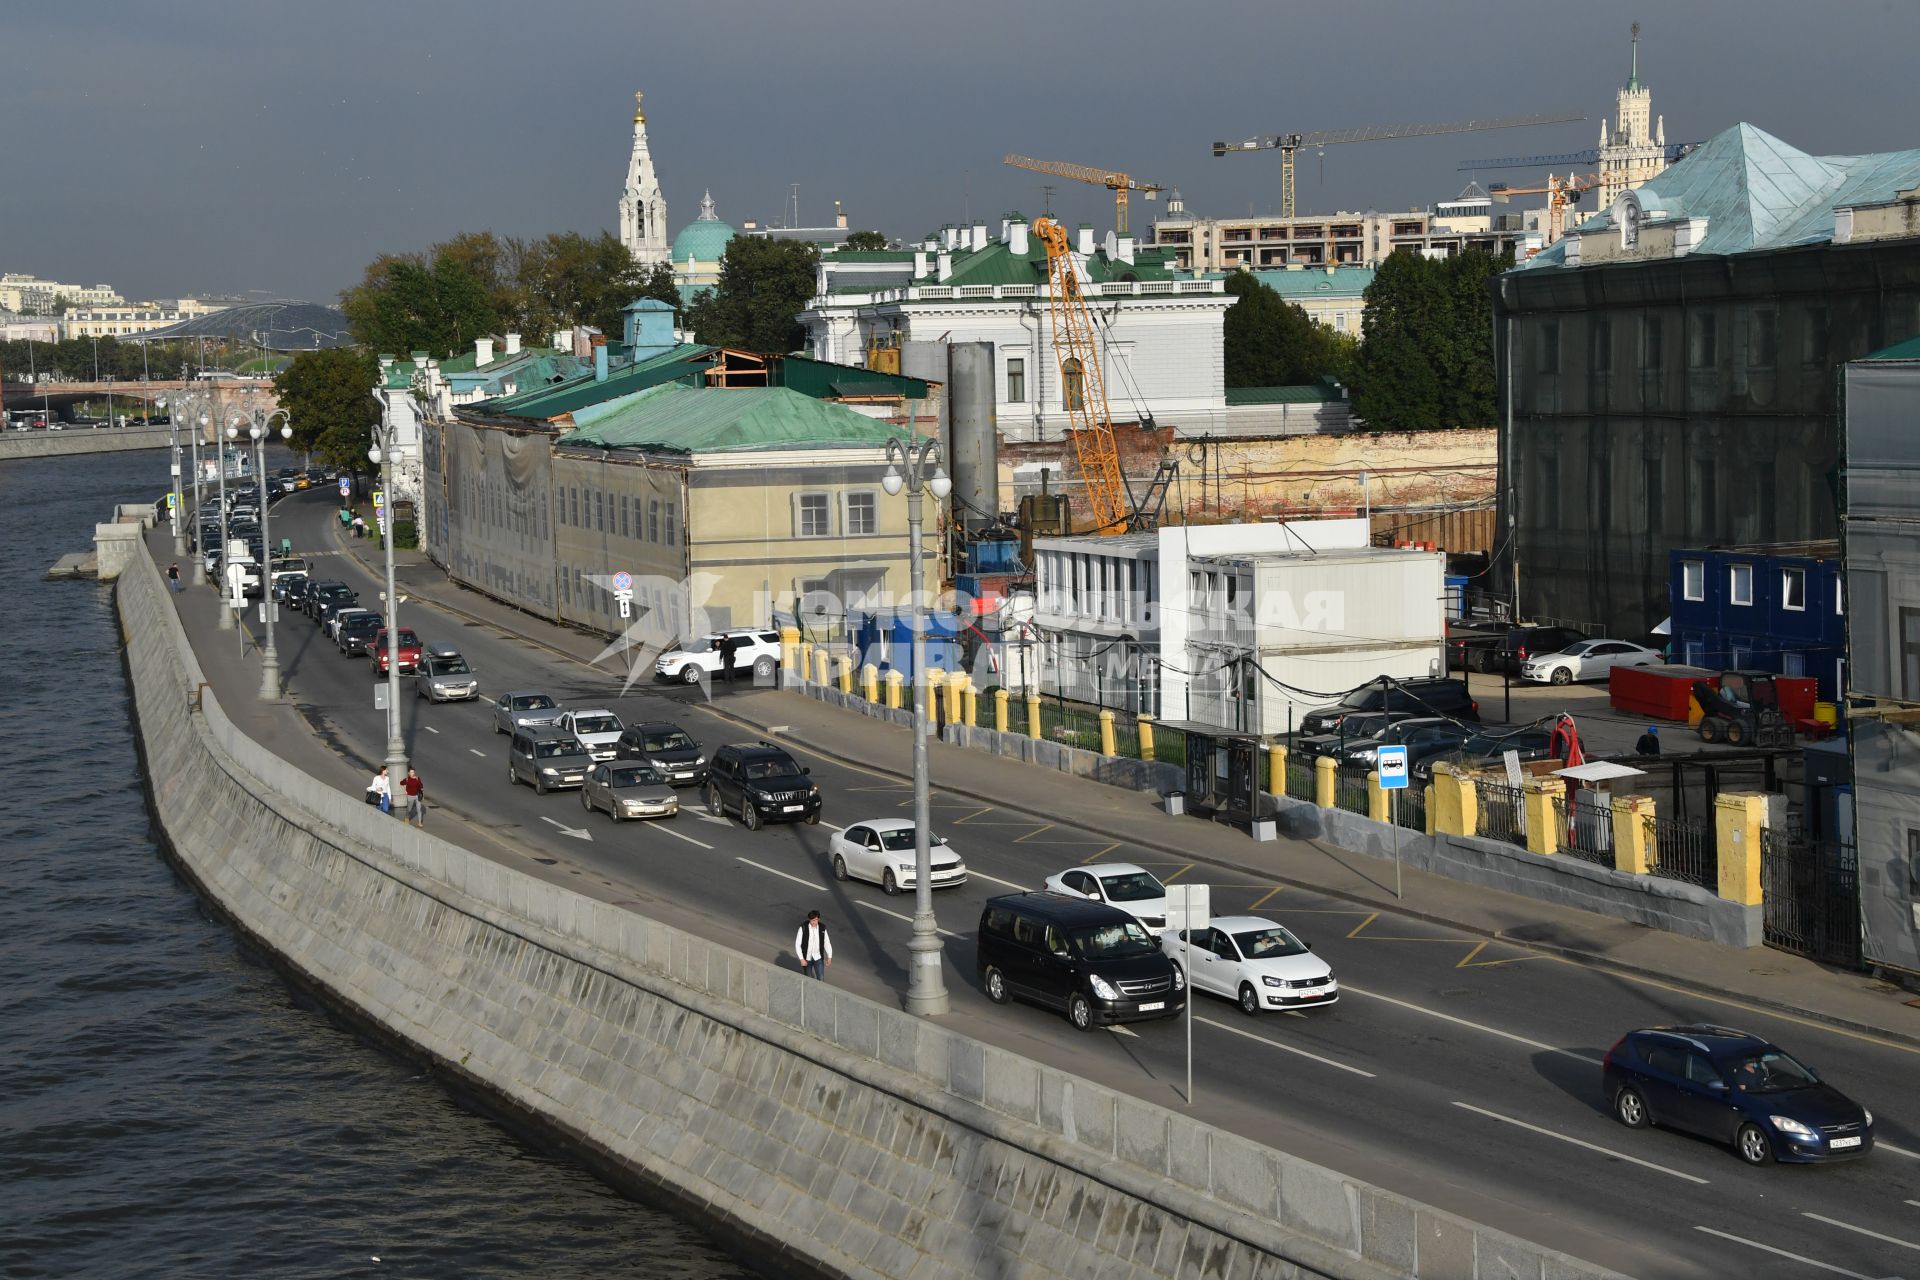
1149	1008
1839	1143
686	774
794	808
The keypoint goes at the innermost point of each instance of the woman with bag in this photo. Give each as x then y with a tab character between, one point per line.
380	791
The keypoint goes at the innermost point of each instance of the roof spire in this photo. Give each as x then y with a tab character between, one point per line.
1633	78
706	207
640	117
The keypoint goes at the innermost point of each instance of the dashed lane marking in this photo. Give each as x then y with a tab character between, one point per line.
1878	1145
761	866
429	728
1580	1142
1350	989
478	752
1848	1226
1782	1253
981	875
897	915
678	835
1284	1048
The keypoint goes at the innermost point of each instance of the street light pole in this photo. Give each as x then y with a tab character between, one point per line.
926	983
383	455
226	619
173	453
260	428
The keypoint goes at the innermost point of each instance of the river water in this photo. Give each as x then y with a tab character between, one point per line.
168	1108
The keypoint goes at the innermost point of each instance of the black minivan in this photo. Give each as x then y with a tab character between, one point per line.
1096	962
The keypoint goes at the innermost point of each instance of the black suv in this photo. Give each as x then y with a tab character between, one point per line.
1093	961
324	597
668	748
760	783
1506	648
1426	697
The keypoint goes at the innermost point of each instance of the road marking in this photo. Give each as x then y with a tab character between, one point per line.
478	752
1899	1151
1914	1203
704	816
1176	875
1284	1048
761	866
1848	1226
1119	1030
1264	898
898	915
578	833
429	728
1036	831
677	835
1371	917
1468	962
1782	1253
1099	854
1811	1023
1476	1026
981	875
1580	1142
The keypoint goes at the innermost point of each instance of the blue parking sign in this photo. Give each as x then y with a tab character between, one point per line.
1392	764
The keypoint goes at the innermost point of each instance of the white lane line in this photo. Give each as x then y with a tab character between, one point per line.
1119	1030
1285	1048
669	831
1476	1026
1579	1142
478	752
981	875
1782	1253
1899	1151
897	915
1914	1203
429	728
704	816
761	866
1848	1226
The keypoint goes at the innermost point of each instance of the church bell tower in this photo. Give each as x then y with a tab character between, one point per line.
643	210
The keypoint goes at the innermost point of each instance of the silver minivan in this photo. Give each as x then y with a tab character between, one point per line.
545	758
444	676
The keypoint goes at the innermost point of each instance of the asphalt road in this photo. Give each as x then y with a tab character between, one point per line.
1460	1072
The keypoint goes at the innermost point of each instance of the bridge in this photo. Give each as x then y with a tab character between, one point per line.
59	398
17	445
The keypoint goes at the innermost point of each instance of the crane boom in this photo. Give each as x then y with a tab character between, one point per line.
1113	180
1083	389
1674	151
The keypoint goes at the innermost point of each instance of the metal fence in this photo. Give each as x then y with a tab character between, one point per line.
1583	831
1412	808
1299	778
1682	851
1501	812
1350	793
1811	895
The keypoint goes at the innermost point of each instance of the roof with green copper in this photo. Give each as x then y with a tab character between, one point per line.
1908	350
674	418
1307	393
549	401
704	238
1317	282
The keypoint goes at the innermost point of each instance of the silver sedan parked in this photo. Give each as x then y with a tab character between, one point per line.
626	789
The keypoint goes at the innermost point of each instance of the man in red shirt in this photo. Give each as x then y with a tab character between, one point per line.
416	798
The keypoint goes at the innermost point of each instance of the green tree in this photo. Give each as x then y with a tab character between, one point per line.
866	241
567	278
328	396
1427	358
764	285
1270	342
437	302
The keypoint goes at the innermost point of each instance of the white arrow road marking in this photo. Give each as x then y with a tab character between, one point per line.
1285	1048
578	833
669	831
704	816
478	752
1119	1030
1605	1151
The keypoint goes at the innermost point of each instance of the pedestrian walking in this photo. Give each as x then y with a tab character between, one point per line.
359	527
1649	744
416	798
380	791
813	946
173	576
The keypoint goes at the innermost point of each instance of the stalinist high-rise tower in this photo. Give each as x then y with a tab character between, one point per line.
643	210
1631	152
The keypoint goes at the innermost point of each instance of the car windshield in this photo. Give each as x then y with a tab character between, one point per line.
1132	886
638	776
1771	1071
534	702
704	644
557	747
761	769
1362	699
451	667
900	839
675	741
1269	943
1112	941
595	724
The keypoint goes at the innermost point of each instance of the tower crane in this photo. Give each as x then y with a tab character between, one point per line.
1288	143
1118	183
1560	192
1673	151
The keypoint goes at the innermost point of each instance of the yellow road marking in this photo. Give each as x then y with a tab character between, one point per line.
1036	831
1176	875
1264	898
1095	857
1371	917
976	813
1468	962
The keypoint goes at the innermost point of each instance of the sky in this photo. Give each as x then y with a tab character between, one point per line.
275	147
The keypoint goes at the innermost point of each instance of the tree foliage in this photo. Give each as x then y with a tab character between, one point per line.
73	358
1271	342
764	285
437	302
1427	358
866	241
328	396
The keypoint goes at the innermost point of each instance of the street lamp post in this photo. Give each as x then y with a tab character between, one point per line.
195	408
226	619
260	428
384	454
906	468
173	454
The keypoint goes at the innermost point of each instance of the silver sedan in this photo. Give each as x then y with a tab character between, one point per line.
626	789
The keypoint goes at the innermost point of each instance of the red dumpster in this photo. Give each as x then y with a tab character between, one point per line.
1656	693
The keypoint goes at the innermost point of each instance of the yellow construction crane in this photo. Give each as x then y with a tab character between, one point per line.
1288	143
1560	192
1076	344
1118	183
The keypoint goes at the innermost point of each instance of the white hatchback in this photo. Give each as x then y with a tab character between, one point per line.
881	850
1257	963
1134	890
599	731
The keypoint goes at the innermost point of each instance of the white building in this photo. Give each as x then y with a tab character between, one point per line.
643	210
30	295
1634	150
1160	338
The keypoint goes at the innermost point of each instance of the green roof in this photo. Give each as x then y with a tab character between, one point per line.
1309	393
581	390
1908	350
1317	282
869	255
678	419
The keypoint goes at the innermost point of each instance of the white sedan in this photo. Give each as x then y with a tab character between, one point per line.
1134	890
1587	660
881	850
1255	962
598	730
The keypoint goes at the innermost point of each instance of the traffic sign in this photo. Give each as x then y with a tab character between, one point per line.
623	581
346	487
1392	765
173	501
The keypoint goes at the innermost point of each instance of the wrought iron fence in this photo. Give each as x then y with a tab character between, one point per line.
1810	892
1583	831
1683	851
1501	812
1350	793
1412	808
1299	778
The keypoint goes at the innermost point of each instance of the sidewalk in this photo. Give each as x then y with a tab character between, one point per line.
1763	977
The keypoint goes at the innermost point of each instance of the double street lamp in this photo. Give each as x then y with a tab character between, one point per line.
906	468
384	453
184	405
259	424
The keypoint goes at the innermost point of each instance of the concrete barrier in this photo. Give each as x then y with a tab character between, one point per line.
15	445
826	1134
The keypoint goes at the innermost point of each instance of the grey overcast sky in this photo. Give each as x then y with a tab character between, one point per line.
201	146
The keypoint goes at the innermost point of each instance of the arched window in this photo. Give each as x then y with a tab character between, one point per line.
1073	390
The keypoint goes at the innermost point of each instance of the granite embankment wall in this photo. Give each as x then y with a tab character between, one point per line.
59	444
825	1134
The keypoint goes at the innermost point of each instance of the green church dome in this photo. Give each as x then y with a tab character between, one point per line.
705	238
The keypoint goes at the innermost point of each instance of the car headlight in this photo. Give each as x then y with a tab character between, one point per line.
699	759
1794	1127
813	793
759	795
1869	1115
547	768
1179	979
1102	988
1272	982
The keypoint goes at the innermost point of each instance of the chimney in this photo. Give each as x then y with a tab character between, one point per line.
1125	251
482	351
839	217
420	359
599	358
1085	247
1017	235
979	235
921	263
513	344
582	342
946	264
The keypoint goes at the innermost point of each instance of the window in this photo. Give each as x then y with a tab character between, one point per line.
1813	341
1913	864
1693	580
1793	664
600	510
1740	584
863	512
625	527
812	516
1763	328
1602	332
1910	655
1702	347
1016	379
1073	391
672	527
1547	347
576	505
653	520
1793	590
1839	597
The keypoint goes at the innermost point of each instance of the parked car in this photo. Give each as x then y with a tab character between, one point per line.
544	758
324	598
1587	660
336	617
408	656
1423	737
1426	697
284	583
881	850
1255	962
1353	728
628	789
355	631
668	748
1507	648
444	676
598	729
1733	1087
524	707
1488	748
760	783
1091	960
758	652
1134	890
293	593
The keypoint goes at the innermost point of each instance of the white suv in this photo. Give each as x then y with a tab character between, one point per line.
757	653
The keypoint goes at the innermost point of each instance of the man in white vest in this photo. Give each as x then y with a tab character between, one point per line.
813	946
